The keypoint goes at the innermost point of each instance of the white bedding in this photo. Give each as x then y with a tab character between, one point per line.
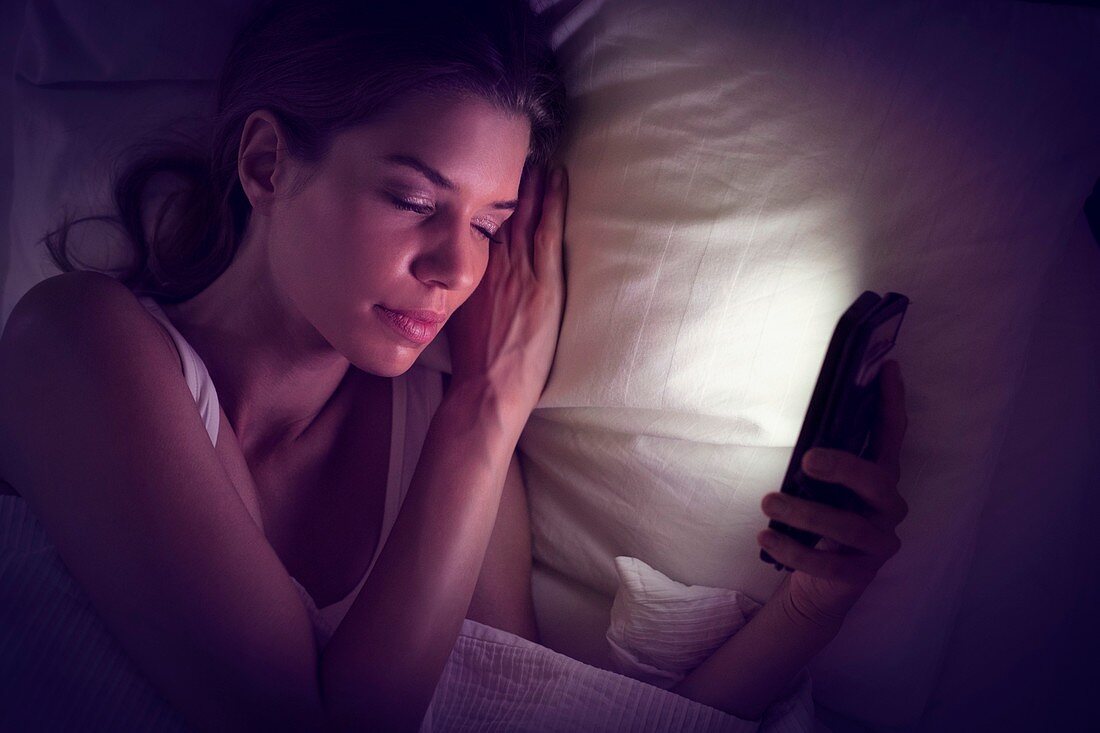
62	669
496	681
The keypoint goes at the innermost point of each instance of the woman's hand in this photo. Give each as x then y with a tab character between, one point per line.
507	331
829	579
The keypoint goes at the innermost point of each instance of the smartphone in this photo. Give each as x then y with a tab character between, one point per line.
844	404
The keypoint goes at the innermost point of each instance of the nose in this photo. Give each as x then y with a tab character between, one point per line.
452	257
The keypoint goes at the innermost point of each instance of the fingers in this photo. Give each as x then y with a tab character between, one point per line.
550	234
875	483
857	569
844	527
523	223
892	420
854	546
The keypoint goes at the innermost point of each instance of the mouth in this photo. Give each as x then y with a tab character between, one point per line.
417	331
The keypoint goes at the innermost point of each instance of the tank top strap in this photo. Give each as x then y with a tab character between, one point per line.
194	372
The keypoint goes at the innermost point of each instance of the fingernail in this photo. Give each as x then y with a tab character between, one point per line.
818	462
775	502
767	538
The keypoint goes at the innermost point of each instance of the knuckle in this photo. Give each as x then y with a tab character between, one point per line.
865	536
795	554
544	235
796	514
857	571
865	574
836	568
895	544
887	476
845	461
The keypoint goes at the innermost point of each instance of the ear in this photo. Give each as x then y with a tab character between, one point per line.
260	158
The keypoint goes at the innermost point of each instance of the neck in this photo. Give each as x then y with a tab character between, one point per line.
274	372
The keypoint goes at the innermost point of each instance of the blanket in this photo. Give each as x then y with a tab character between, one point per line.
64	670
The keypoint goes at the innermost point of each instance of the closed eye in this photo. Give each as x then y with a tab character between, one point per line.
409	206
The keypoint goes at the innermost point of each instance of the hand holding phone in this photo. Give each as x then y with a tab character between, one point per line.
829	579
843	409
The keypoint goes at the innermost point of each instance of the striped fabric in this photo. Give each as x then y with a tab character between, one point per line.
662	629
62	670
60	667
497	681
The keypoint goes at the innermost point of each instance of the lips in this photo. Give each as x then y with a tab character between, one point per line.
413	329
425	316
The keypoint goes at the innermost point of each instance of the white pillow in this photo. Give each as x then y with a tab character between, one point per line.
739	173
661	630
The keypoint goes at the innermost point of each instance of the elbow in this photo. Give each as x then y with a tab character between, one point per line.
376	705
279	698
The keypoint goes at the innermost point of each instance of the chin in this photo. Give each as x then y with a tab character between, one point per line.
396	364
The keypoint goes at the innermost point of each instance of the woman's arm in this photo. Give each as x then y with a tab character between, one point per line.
98	430
502	598
756	666
381	666
753	668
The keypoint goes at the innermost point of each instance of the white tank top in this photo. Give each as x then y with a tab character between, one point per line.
416	395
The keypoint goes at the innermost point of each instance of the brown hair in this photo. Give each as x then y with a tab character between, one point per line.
320	66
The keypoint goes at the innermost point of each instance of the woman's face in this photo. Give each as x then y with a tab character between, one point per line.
348	241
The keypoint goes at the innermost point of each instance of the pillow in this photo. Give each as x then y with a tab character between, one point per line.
661	630
113	41
739	173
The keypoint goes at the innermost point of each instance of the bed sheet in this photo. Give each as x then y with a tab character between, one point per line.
63	668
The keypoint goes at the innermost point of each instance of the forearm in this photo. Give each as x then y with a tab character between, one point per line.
381	667
758	663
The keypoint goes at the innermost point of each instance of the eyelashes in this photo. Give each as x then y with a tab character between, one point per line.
408	206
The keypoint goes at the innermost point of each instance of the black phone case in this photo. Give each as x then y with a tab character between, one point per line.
843	405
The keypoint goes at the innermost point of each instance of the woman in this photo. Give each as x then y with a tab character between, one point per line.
363	161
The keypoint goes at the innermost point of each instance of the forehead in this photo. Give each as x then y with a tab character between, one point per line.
465	140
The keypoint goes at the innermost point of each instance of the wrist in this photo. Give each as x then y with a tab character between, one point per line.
488	403
809	616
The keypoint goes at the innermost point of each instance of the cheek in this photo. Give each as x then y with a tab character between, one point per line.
303	257
316	236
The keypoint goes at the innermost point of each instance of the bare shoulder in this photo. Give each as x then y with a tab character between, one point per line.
67	310
64	332
100	435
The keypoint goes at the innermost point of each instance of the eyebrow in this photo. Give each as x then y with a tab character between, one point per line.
438	178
